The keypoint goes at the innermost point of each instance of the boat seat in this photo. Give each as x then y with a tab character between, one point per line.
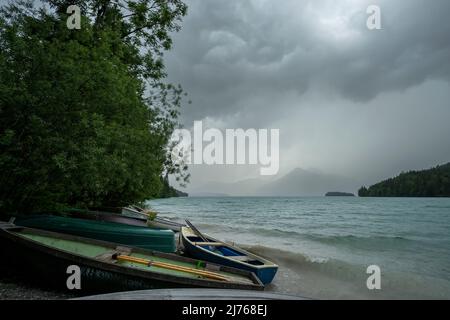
240	258
213	244
123	250
212	267
107	257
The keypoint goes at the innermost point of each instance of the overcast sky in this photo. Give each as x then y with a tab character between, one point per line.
347	100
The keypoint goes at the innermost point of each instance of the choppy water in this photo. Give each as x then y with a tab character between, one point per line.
325	244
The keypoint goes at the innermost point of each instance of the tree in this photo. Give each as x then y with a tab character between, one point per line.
85	115
362	192
434	182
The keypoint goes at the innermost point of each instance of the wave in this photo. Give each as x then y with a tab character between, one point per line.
274	232
299	261
436	206
372	242
335	279
324	277
361	241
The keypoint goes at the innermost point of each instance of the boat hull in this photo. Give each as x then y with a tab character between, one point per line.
265	273
156	223
164	224
108	217
192	294
47	266
142	237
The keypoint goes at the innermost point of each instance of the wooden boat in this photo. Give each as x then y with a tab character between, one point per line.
192	294
161	223
127	216
156	223
106	216
109	267
137	236
209	249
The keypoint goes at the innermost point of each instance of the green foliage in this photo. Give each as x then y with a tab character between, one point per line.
433	182
167	191
85	115
151	214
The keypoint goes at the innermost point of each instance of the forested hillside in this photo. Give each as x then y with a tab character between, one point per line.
433	182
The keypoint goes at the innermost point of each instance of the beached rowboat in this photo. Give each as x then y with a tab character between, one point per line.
192	294
134	219
106	216
156	223
137	236
209	249
161	223
107	267
141	214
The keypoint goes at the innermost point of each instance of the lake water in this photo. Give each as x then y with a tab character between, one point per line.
325	244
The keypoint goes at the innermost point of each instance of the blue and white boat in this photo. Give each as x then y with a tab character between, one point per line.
225	254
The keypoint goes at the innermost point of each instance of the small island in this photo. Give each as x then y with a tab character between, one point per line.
339	194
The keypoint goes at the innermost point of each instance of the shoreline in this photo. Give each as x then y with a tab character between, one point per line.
15	287
20	291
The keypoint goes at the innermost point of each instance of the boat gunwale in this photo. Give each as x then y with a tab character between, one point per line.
169	222
134	214
140	215
124	270
98	216
102	225
127	220
267	264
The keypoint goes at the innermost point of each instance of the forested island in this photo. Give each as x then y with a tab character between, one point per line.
434	182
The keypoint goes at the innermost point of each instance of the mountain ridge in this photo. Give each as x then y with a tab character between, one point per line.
298	182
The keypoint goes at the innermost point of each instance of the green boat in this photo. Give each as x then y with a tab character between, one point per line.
45	257
136	236
128	216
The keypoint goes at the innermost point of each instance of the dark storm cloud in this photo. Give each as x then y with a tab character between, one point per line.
348	101
236	58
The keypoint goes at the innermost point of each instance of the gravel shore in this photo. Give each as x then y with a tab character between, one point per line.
14	287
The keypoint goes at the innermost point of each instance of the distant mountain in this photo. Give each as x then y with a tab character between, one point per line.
301	182
298	182
247	187
434	182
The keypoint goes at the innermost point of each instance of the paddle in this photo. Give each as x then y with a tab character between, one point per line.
149	214
198	233
206	274
137	208
139	212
